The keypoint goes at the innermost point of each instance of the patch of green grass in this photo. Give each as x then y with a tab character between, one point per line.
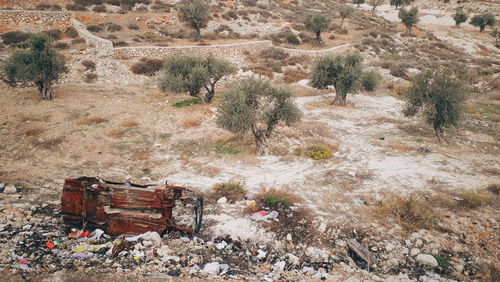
442	262
419	140
226	150
164	136
187	103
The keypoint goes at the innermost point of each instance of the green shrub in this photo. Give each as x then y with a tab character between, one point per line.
370	80
274	198
43	7
318	152
61	45
94	28
292	39
226	150
88	2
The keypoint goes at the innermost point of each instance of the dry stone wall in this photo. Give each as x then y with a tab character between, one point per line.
33	20
103	47
223	51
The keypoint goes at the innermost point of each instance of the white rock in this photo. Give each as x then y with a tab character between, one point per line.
279	266
222	200
389	247
352	173
289	237
11	189
211	268
153	237
414	252
427	260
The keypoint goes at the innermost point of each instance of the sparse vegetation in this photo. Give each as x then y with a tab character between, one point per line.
375	4
370	80
41	64
147	66
15	37
342	72
192	74
258	106
233	191
411	213
440	94
89	65
345	12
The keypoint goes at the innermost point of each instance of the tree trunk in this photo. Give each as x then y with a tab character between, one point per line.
481	28
318	37
439	133
45	89
210	93
340	99
261	142
342	21
198	33
373	10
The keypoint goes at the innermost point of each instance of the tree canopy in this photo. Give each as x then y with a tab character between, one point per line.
317	23
439	95
459	17
40	64
409	18
195	13
483	20
191	74
342	72
256	105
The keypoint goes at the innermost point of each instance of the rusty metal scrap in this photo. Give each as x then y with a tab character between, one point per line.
126	208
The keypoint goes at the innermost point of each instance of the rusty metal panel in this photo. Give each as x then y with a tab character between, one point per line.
128	208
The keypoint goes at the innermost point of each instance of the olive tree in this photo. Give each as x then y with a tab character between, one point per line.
195	13
440	96
375	4
342	72
345	12
460	17
40	64
358	2
400	3
193	74
409	18
317	23
256	105
483	20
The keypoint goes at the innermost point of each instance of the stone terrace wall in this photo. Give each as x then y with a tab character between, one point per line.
315	53
103	47
223	51
33	20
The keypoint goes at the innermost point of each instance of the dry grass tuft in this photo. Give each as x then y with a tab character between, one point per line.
400	146
116	134
313	129
191	121
411	213
129	123
301	91
30	118
233	191
90	120
31	131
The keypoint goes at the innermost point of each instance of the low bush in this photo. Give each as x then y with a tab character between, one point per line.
187	103
273	53
15	37
114	27
113	2
90	77
71	32
410	212
292	39
370	80
77	40
99	9
95	28
233	191
318	152
88	2
89	65
75	7
120	43
147	66
278	198
90	120
133	26
43	7
61	45
294	75
55	34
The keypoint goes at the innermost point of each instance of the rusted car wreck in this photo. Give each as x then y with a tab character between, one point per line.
127	208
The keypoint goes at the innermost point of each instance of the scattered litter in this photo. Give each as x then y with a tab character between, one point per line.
264	216
360	201
424	150
261	254
222	200
212	268
50	245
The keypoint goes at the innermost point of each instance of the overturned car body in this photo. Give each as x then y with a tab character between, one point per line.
126	208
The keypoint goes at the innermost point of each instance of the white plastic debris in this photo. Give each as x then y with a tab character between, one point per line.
153	237
212	268
261	254
221	245
279	266
263	216
222	200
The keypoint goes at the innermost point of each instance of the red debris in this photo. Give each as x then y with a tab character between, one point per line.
50	245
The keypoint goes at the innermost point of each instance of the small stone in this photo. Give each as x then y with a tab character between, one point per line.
211	268
289	237
11	189
419	243
389	247
427	260
414	252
